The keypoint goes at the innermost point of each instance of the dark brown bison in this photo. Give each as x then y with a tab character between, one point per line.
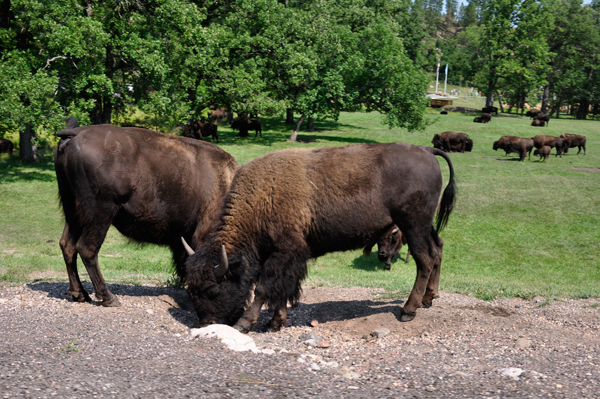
444	112
532	113
447	141
542	117
502	144
490	110
543	152
553	142
244	125
538	123
484	118
574	140
388	246
519	145
198	129
210	129
152	187
292	205
6	146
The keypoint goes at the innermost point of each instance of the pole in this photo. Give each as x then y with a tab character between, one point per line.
446	79
437	77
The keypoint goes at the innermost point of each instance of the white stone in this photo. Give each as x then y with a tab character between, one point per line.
231	337
512	372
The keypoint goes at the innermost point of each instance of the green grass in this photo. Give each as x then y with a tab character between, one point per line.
519	229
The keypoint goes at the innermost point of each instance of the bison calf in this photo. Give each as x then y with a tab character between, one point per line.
543	152
484	118
388	246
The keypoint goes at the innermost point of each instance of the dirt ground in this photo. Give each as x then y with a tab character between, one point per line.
461	347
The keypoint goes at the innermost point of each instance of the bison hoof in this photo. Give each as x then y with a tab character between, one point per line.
241	328
80	296
272	327
387	267
111	303
407	316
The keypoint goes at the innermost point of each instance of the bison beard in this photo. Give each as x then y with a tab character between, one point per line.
152	187
292	205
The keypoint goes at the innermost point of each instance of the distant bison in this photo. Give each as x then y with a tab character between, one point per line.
490	110
543	117
444	112
484	118
388	246
449	141
574	140
152	187
538	123
532	113
244	125
543	152
521	146
6	146
198	129
553	142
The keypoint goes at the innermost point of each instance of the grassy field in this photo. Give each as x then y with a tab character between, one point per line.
519	228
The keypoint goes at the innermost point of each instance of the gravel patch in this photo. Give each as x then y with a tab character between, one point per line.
339	342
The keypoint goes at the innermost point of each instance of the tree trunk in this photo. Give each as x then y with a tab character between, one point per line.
294	135
489	100
583	109
310	124
27	148
500	103
289	116
546	96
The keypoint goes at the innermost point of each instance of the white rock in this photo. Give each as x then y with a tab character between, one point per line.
512	372
231	337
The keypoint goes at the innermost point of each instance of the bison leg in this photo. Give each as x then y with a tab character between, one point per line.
88	247
427	253
67	245
251	314
407	256
278	319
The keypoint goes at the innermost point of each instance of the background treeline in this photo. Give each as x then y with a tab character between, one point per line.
173	59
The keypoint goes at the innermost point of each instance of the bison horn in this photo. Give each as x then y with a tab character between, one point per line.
188	249
221	269
395	230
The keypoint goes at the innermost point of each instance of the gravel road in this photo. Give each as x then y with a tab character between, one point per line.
461	347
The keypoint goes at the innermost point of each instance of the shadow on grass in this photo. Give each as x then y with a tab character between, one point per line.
14	170
373	264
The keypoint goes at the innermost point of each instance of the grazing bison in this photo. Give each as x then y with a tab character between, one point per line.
292	205
532	113
6	146
541	140
490	110
447	141
543	152
574	140
509	144
244	125
152	187
210	130
484	118
542	117
538	123
198	129
388	246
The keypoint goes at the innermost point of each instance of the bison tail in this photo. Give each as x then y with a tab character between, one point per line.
449	195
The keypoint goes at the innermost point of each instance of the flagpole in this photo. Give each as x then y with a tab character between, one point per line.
437	77
446	79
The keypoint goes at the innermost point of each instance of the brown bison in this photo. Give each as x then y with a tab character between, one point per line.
543	117
484	118
574	140
198	129
543	152
244	125
521	146
388	246
541	140
292	205
533	112
6	146
490	110
502	144
446	141
538	123
152	187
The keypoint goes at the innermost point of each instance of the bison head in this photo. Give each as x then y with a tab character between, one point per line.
469	145
388	244
496	145
217	285
438	142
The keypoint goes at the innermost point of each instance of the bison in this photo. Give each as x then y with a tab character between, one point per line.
543	152
541	140
197	129
292	205
532	113
6	146
538	123
574	140
543	117
388	246
152	187
244	125
490	110
484	118
447	141
520	145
